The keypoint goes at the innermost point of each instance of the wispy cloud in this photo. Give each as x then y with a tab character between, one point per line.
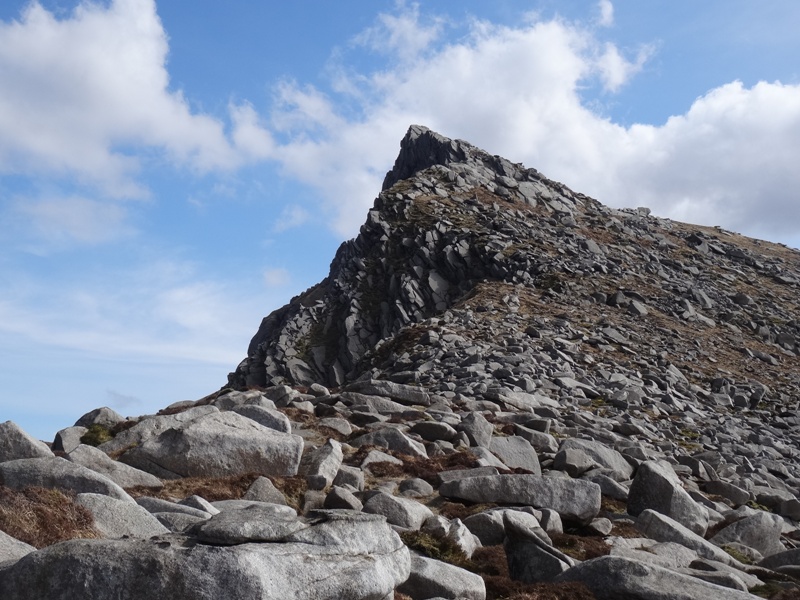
59	221
606	9
291	217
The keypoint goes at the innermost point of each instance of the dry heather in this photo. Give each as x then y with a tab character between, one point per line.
41	517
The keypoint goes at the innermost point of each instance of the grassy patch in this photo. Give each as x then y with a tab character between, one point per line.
414	466
41	517
209	488
580	547
96	435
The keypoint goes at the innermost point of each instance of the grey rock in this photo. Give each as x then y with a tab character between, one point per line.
178	522
657	487
574	500
415	488
429	578
199	503
405	394
781	559
158	505
342	498
321	465
530	558
351	476
618	468
116	518
57	473
478	429
105	417
728	490
761	531
402	512
240	446
353	560
268	417
392	439
254	523
123	475
663	529
614	577
68	439
434	430
152	426
516	452
15	444
12	549
263	490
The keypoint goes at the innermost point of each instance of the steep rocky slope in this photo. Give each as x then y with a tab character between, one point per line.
538	395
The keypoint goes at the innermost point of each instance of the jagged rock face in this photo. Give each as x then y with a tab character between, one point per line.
459	238
434	232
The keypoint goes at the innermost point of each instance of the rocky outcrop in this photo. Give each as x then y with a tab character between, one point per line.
496	361
353	557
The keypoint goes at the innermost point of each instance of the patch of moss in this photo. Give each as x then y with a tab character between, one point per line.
96	435
738	555
436	548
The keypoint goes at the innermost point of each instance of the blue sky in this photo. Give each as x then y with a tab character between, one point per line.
168	176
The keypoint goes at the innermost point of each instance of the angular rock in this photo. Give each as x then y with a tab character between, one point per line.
608	458
574	500
268	417
255	523
431	578
402	512
516	452
15	444
123	475
57	473
663	529
116	519
614	577
263	490
361	559
531	559
321	465
240	446
392	439
12	549
657	487
761	531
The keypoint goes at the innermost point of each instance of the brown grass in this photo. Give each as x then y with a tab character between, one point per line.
41	517
414	466
580	547
209	488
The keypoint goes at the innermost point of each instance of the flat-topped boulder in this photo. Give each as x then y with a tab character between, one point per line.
339	557
217	444
573	499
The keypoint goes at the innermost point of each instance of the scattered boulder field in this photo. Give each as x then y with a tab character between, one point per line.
503	390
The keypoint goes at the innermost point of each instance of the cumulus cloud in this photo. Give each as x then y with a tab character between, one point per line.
84	96
521	92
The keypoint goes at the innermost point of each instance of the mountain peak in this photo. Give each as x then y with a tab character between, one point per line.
421	148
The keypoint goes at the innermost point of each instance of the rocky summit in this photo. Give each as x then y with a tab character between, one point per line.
503	389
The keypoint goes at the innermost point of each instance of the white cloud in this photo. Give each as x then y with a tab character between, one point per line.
606	9
519	91
291	217
57	221
277	277
161	310
84	95
400	35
